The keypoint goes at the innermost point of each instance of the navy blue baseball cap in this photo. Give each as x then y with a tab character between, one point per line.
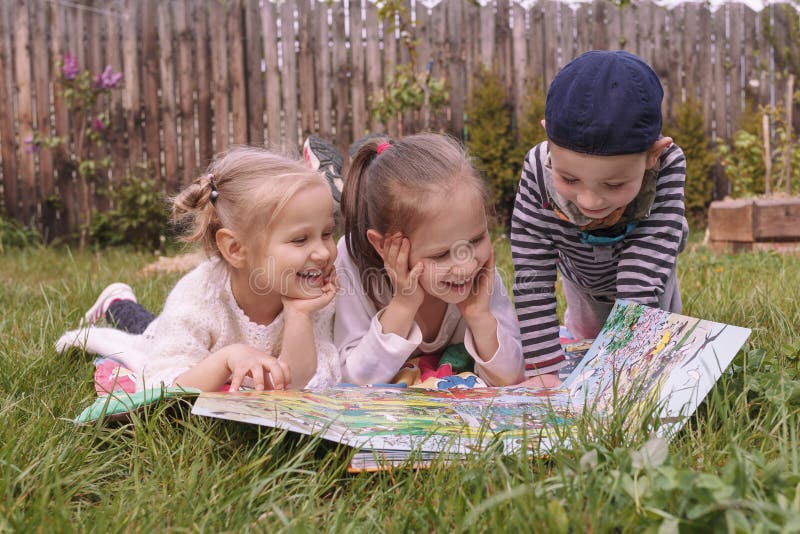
604	103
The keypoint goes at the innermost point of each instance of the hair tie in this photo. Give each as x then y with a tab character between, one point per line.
383	146
214	192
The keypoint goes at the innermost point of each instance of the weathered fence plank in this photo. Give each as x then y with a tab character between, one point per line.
306	67
8	138
289	76
150	75
166	62
269	25
186	74
254	114
236	71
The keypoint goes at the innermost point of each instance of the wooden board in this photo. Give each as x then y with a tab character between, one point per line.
776	219
731	220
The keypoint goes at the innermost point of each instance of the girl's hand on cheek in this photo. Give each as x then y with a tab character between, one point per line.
405	281
476	305
310	305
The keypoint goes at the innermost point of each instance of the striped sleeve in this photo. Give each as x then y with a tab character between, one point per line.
651	250
535	258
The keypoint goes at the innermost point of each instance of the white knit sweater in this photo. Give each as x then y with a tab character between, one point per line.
200	317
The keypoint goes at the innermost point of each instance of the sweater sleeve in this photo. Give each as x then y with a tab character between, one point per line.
505	366
651	250
535	259
368	355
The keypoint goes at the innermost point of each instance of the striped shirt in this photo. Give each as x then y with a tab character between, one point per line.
635	268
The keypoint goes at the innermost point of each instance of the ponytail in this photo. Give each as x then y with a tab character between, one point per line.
193	210
355	207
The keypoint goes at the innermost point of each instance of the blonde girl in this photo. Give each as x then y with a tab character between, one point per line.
259	309
416	266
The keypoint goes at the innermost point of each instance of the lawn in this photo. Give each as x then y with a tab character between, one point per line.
735	465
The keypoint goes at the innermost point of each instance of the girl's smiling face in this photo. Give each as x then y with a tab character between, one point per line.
453	244
300	250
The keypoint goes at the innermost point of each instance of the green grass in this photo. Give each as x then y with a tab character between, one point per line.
734	467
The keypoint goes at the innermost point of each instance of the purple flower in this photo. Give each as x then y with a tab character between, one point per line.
108	79
70	68
98	125
32	145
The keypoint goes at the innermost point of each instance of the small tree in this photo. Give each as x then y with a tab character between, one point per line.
407	88
83	93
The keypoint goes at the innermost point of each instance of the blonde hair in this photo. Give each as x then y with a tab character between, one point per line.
253	187
388	192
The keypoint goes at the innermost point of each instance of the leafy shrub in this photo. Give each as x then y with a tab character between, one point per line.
15	235
138	218
490	138
496	141
744	160
689	132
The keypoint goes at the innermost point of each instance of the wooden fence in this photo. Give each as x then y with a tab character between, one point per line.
201	74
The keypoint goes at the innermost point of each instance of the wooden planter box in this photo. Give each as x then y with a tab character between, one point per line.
755	224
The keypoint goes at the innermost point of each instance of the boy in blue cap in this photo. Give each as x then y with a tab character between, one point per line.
601	200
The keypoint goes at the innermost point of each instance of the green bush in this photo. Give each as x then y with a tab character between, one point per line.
496	141
689	132
743	162
743	159
15	235
138	218
490	138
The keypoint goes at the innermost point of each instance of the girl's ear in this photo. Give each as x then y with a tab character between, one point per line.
375	239
656	150
233	250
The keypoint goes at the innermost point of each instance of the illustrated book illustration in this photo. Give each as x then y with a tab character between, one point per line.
642	355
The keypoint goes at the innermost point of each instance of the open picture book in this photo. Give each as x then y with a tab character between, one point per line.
642	357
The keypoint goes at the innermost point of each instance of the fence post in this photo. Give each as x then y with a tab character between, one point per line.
787	155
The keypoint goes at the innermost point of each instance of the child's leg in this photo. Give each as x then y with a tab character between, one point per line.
129	315
118	305
584	316
321	155
670	300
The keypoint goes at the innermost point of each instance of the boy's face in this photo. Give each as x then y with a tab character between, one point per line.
597	185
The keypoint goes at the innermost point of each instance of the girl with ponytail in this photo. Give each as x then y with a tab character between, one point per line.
416	267
259	309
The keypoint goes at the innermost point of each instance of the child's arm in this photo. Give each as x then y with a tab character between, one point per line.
535	258
651	250
369	354
235	362
492	335
299	346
